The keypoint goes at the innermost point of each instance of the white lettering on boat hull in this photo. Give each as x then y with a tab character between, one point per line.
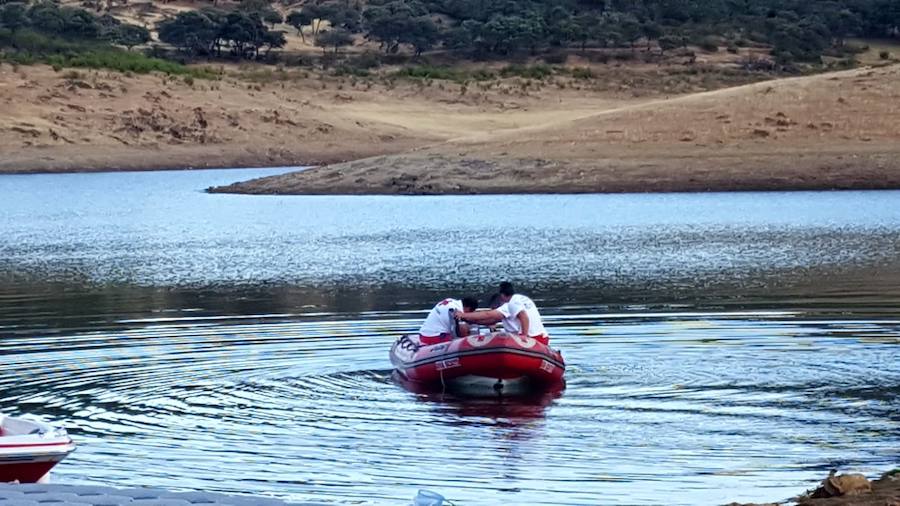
447	364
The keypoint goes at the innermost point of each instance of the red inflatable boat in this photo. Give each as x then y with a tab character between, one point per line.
504	360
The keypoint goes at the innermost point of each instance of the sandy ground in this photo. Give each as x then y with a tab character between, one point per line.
885	492
856	491
65	121
97	120
627	130
829	131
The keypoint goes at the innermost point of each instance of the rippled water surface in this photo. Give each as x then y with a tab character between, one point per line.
720	346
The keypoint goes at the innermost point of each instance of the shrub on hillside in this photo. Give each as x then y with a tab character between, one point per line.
557	58
365	61
430	72
531	72
582	73
33	47
709	44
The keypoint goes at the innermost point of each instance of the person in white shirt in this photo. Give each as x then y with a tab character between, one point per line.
518	313
440	324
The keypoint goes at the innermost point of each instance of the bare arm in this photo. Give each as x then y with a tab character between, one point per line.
523	322
487	317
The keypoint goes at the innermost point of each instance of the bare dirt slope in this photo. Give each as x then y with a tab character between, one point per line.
62	121
838	130
97	120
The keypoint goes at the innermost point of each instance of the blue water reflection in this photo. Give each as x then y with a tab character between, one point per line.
721	347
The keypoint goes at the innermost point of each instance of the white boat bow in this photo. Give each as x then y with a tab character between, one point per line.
29	448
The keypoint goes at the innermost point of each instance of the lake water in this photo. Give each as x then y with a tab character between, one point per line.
720	346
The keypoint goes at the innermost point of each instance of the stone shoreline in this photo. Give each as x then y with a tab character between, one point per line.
88	495
846	490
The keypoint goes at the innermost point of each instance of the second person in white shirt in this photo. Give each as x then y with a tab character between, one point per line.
518	313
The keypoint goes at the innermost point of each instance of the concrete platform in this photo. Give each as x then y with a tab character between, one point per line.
87	495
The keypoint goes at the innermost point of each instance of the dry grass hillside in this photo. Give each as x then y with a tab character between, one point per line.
838	130
96	120
89	120
257	115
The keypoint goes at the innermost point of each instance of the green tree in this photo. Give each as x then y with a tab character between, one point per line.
588	27
244	33
462	37
131	35
194	32
423	34
651	31
322	12
564	32
251	6
13	16
109	27
273	39
271	16
390	24
341	15
47	16
262	9
79	23
299	19
672	11
630	29
669	42
802	40
505	34
842	24
560	26
335	38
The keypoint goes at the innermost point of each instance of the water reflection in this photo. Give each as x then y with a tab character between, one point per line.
718	347
484	404
510	419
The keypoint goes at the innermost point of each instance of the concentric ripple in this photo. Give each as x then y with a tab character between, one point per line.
686	408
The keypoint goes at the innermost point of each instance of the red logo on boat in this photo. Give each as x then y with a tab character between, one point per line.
479	341
525	341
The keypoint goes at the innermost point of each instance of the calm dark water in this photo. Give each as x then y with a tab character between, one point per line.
720	346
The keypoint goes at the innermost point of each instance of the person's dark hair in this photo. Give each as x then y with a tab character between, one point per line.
506	288
495	301
470	303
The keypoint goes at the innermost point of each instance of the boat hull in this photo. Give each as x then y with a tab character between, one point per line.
503	361
32	472
29	449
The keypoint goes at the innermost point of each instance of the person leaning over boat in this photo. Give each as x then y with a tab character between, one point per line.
440	325
518	313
